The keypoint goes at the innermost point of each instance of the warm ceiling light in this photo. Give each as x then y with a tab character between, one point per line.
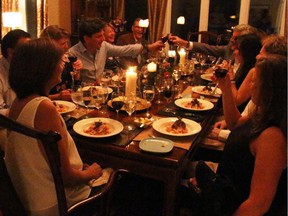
12	19
233	17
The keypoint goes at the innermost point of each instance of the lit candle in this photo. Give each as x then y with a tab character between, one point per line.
152	67
131	82
182	54
171	53
181	20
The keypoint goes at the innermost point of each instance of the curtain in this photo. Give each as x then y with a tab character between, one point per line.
8	6
42	16
156	15
118	9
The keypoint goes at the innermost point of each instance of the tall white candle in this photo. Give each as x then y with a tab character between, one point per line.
182	54
131	82
171	53
152	67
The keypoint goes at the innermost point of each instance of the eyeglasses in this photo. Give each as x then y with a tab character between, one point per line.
138	27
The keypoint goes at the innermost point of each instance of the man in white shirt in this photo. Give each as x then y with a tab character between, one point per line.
9	42
93	50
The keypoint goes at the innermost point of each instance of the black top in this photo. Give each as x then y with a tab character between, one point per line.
238	165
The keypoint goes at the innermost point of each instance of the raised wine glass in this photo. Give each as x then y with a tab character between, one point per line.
148	95
72	59
130	106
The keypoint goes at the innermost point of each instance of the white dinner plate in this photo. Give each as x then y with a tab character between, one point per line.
182	103
199	90
64	106
192	126
156	145
207	77
115	126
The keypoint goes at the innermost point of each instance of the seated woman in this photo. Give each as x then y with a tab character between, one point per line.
254	161
32	79
273	44
62	38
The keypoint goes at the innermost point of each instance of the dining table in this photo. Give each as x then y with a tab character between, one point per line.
123	150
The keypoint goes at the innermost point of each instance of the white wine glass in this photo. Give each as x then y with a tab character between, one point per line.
98	97
148	95
158	83
87	97
76	96
130	106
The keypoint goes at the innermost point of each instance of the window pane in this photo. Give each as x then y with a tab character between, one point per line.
223	15
266	15
190	9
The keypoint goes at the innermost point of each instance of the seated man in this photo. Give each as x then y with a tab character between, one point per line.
93	50
9	42
136	36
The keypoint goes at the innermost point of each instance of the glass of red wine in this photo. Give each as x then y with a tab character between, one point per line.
72	59
165	38
117	100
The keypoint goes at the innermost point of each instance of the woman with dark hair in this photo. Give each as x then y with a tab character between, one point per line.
254	162
36	67
247	48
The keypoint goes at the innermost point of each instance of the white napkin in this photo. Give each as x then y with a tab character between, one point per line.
102	179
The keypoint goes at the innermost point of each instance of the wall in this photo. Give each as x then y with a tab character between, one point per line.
59	13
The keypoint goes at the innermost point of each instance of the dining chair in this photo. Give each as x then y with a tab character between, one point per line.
10	203
206	37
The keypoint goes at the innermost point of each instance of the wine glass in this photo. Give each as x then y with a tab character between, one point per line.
158	83
220	72
130	106
117	100
72	59
168	88
87	97
98	97
76	96
176	74
148	95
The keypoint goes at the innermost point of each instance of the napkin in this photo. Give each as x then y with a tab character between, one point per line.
102	179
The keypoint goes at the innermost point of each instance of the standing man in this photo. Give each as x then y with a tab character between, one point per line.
10	42
134	37
93	50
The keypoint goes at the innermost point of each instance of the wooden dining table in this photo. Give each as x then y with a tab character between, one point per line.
122	151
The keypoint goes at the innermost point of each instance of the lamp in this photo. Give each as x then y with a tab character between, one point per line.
12	19
144	23
181	20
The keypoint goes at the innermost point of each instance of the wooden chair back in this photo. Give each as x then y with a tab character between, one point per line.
10	204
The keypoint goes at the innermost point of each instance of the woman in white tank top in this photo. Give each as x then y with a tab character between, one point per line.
36	68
